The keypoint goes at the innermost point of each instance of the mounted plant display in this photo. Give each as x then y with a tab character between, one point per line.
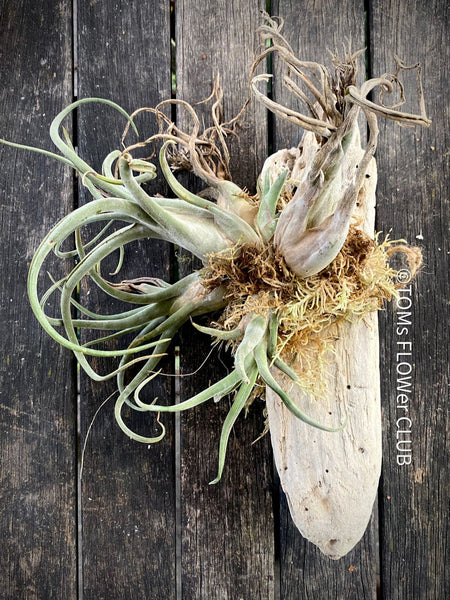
291	277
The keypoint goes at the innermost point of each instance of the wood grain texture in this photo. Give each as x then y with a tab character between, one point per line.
227	539
313	28
128	489
237	538
330	479
413	201
38	396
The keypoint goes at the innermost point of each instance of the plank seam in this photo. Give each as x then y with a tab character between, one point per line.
176	360
378	505
75	205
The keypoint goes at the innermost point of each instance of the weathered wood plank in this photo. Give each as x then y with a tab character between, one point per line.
227	543
38	392
128	490
312	29
413	201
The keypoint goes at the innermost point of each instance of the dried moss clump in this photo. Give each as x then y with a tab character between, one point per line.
258	281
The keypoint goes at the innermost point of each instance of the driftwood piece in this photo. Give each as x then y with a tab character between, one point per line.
331	479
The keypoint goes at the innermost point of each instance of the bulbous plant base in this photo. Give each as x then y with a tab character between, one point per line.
331	478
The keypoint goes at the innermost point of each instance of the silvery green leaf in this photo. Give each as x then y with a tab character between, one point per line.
265	219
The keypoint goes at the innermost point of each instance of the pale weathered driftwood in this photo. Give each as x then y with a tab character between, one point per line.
331	479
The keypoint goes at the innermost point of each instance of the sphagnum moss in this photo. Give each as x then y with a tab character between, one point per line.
283	266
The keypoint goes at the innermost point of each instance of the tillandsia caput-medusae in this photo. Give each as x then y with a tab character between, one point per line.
278	267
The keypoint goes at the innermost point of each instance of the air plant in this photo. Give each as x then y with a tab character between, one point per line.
278	268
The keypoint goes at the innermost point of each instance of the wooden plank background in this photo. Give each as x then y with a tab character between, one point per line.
143	523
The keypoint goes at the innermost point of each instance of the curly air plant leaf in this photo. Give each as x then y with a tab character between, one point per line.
314	225
263	256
